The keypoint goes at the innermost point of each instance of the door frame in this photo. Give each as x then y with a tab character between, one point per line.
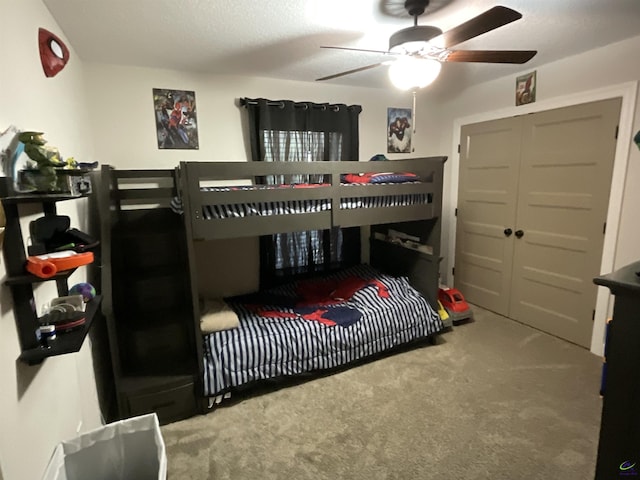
628	92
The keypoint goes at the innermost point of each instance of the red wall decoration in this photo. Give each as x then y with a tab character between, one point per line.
54	54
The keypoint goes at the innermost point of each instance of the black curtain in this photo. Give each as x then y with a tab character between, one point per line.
283	130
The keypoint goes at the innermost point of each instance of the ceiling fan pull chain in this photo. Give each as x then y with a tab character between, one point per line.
415	115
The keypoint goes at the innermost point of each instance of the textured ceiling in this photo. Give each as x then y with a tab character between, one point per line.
282	38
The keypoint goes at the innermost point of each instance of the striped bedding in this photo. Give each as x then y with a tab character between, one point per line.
264	347
305	206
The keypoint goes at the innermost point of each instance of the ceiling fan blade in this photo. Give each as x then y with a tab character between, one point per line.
491	56
359	50
483	23
348	72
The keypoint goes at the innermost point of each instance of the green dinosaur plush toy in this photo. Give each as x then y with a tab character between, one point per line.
43	158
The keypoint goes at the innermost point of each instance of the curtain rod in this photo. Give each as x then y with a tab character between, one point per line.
244	102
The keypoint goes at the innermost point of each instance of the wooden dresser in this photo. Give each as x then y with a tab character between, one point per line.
619	445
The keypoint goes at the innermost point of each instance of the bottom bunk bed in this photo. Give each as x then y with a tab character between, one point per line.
311	326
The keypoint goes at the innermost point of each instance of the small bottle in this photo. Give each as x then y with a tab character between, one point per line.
46	334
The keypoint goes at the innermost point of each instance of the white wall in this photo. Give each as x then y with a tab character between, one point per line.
40	405
123	122
601	73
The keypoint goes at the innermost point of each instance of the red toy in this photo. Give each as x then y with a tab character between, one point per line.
455	304
46	266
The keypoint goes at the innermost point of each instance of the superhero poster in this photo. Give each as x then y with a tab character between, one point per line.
526	89
399	127
176	121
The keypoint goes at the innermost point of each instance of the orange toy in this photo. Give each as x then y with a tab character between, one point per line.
46	266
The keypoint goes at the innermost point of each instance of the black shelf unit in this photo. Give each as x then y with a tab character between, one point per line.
147	295
68	342
21	282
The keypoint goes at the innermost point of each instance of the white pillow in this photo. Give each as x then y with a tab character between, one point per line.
216	315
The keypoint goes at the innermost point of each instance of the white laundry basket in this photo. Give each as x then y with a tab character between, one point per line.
123	450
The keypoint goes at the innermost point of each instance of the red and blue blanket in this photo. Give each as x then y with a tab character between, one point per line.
323	301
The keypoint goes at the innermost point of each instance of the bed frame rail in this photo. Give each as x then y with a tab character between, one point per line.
140	189
195	175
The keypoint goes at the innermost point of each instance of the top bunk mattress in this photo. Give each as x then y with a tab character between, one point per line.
288	207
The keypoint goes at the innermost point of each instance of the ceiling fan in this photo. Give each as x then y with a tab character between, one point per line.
421	49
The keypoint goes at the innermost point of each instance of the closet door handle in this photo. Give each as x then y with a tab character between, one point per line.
507	232
519	233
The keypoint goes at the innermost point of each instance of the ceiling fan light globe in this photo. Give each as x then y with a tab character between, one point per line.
413	73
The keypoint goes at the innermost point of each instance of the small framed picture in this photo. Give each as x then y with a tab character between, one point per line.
399	127
526	88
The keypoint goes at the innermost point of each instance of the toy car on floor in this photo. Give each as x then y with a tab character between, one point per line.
454	303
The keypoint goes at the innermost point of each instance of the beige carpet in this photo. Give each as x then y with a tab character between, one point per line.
492	400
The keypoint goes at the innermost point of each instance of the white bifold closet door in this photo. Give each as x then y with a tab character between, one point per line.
532	203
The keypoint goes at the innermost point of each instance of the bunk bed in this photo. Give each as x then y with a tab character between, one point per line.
164	362
281	331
